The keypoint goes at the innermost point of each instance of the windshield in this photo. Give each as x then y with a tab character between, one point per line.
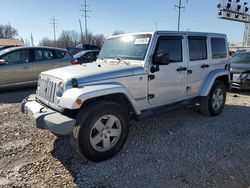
131	47
241	58
79	54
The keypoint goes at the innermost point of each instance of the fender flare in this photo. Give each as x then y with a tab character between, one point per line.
68	100
212	76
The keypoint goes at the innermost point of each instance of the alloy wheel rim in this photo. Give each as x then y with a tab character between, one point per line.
105	133
217	99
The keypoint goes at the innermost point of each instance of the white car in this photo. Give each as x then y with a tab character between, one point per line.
136	76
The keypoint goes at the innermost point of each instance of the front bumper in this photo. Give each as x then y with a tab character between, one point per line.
44	117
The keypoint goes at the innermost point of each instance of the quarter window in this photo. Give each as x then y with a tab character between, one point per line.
172	46
197	48
219	49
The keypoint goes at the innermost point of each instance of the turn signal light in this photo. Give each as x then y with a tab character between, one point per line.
79	102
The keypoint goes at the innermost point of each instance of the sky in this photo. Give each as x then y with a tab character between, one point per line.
107	16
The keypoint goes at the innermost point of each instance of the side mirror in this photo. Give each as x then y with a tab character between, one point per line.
161	58
2	62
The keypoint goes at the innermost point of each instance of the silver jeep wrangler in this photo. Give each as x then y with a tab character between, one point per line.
136	76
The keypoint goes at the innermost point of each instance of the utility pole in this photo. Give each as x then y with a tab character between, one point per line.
85	10
80	23
31	39
54	24
179	13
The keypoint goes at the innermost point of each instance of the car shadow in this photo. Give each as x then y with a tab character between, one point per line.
187	138
240	92
15	95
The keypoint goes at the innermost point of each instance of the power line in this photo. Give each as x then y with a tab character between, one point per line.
85	10
54	24
179	13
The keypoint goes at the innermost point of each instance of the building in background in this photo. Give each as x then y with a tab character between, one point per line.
7	43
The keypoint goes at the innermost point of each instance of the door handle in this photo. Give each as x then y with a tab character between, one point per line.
190	72
26	67
204	66
180	69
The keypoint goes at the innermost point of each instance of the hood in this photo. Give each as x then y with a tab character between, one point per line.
239	68
91	72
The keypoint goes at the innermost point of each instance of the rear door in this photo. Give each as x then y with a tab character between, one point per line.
43	59
17	68
169	83
198	64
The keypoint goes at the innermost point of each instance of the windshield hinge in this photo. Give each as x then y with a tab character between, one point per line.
151	77
151	96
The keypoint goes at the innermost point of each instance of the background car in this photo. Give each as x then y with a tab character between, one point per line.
240	70
80	47
86	56
22	65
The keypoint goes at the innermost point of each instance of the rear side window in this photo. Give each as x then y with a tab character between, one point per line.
59	54
41	55
172	46
219	49
197	48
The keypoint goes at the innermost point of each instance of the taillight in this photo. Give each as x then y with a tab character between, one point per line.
74	62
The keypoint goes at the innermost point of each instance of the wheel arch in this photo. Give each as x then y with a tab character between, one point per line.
112	92
221	75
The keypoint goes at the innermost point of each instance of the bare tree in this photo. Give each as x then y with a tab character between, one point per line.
117	33
46	42
99	40
7	31
68	39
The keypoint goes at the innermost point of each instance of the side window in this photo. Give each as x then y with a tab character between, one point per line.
25	56
219	49
48	54
197	48
13	57
41	55
172	46
92	55
59	54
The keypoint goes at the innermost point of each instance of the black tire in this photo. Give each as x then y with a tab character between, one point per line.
206	104
85	121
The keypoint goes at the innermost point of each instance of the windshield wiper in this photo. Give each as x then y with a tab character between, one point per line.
122	61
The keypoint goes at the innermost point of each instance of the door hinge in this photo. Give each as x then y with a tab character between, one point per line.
151	96
151	77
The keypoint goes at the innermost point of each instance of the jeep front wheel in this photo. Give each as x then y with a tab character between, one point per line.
101	131
214	103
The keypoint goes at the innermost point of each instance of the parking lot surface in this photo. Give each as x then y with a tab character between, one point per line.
177	149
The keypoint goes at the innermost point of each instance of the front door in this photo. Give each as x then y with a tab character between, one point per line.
169	83
17	68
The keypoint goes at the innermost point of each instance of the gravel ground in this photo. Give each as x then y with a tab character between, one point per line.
178	149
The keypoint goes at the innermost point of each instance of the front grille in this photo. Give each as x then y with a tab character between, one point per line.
47	90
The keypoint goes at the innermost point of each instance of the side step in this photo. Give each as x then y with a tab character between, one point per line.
167	108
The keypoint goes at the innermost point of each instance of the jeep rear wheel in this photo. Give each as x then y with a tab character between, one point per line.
101	131
214	103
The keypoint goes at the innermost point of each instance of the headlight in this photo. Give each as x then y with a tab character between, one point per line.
248	76
60	89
